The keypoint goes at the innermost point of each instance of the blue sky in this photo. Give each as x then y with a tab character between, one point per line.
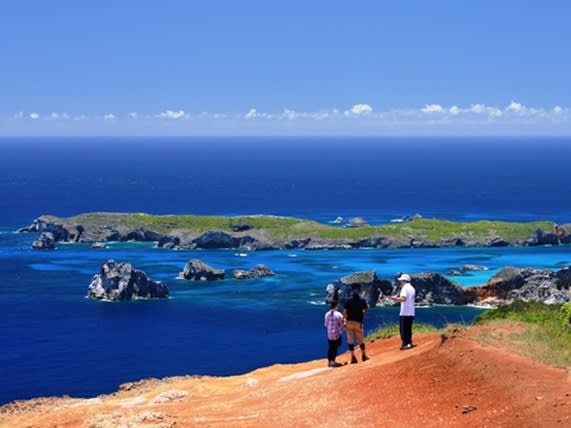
169	67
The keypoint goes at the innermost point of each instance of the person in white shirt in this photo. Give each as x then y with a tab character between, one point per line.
406	299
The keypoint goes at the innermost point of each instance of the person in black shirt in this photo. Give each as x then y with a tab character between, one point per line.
355	309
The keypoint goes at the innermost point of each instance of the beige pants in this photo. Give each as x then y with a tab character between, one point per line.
354	331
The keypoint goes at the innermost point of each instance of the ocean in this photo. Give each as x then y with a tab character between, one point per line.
54	341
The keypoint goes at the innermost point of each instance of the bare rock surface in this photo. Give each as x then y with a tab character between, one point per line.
120	281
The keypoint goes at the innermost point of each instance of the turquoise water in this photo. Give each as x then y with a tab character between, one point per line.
55	341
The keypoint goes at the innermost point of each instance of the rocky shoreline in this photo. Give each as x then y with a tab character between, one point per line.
508	285
272	232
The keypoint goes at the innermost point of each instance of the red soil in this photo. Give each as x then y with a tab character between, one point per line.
458	382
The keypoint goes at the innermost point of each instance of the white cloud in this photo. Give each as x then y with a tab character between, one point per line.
484	109
315	115
359	110
171	114
255	114
359	118
516	107
432	108
58	116
477	108
289	114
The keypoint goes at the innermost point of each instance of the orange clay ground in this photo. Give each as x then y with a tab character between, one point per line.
453	383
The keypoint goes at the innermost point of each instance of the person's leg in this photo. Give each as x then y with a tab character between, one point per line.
331	351
351	336
402	331
361	342
408	330
336	348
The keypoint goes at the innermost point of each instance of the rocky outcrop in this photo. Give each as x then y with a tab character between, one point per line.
241	227
506	286
512	283
466	268
142	234
49	234
368	285
540	237
431	288
435	289
169	242
120	281
562	234
216	239
357	222
294	244
46	241
257	272
197	270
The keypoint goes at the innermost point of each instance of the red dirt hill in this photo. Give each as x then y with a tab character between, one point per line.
454	383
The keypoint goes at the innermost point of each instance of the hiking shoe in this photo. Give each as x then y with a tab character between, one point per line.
365	357
353	360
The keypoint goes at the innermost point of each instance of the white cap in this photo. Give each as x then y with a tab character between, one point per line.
404	277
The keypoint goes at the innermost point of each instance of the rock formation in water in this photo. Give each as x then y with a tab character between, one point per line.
120	281
370	287
46	241
257	272
197	270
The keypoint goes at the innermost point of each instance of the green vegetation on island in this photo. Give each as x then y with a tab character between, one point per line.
426	232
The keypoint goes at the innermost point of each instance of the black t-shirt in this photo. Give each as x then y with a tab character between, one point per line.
355	307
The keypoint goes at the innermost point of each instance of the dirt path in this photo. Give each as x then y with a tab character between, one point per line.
455	383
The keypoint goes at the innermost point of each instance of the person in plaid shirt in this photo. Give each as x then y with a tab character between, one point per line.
335	324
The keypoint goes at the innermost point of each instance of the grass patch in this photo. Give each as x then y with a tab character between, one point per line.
388	331
545	334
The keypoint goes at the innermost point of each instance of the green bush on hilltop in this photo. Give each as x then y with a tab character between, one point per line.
545	334
530	312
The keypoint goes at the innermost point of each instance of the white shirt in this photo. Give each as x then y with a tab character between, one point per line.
407	307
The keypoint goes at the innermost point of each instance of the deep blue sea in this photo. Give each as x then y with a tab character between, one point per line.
55	341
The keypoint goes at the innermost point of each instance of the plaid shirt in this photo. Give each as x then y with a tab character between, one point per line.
334	323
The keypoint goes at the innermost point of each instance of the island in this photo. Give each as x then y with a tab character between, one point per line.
267	232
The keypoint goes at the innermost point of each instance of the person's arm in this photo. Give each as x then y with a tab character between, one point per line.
401	297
